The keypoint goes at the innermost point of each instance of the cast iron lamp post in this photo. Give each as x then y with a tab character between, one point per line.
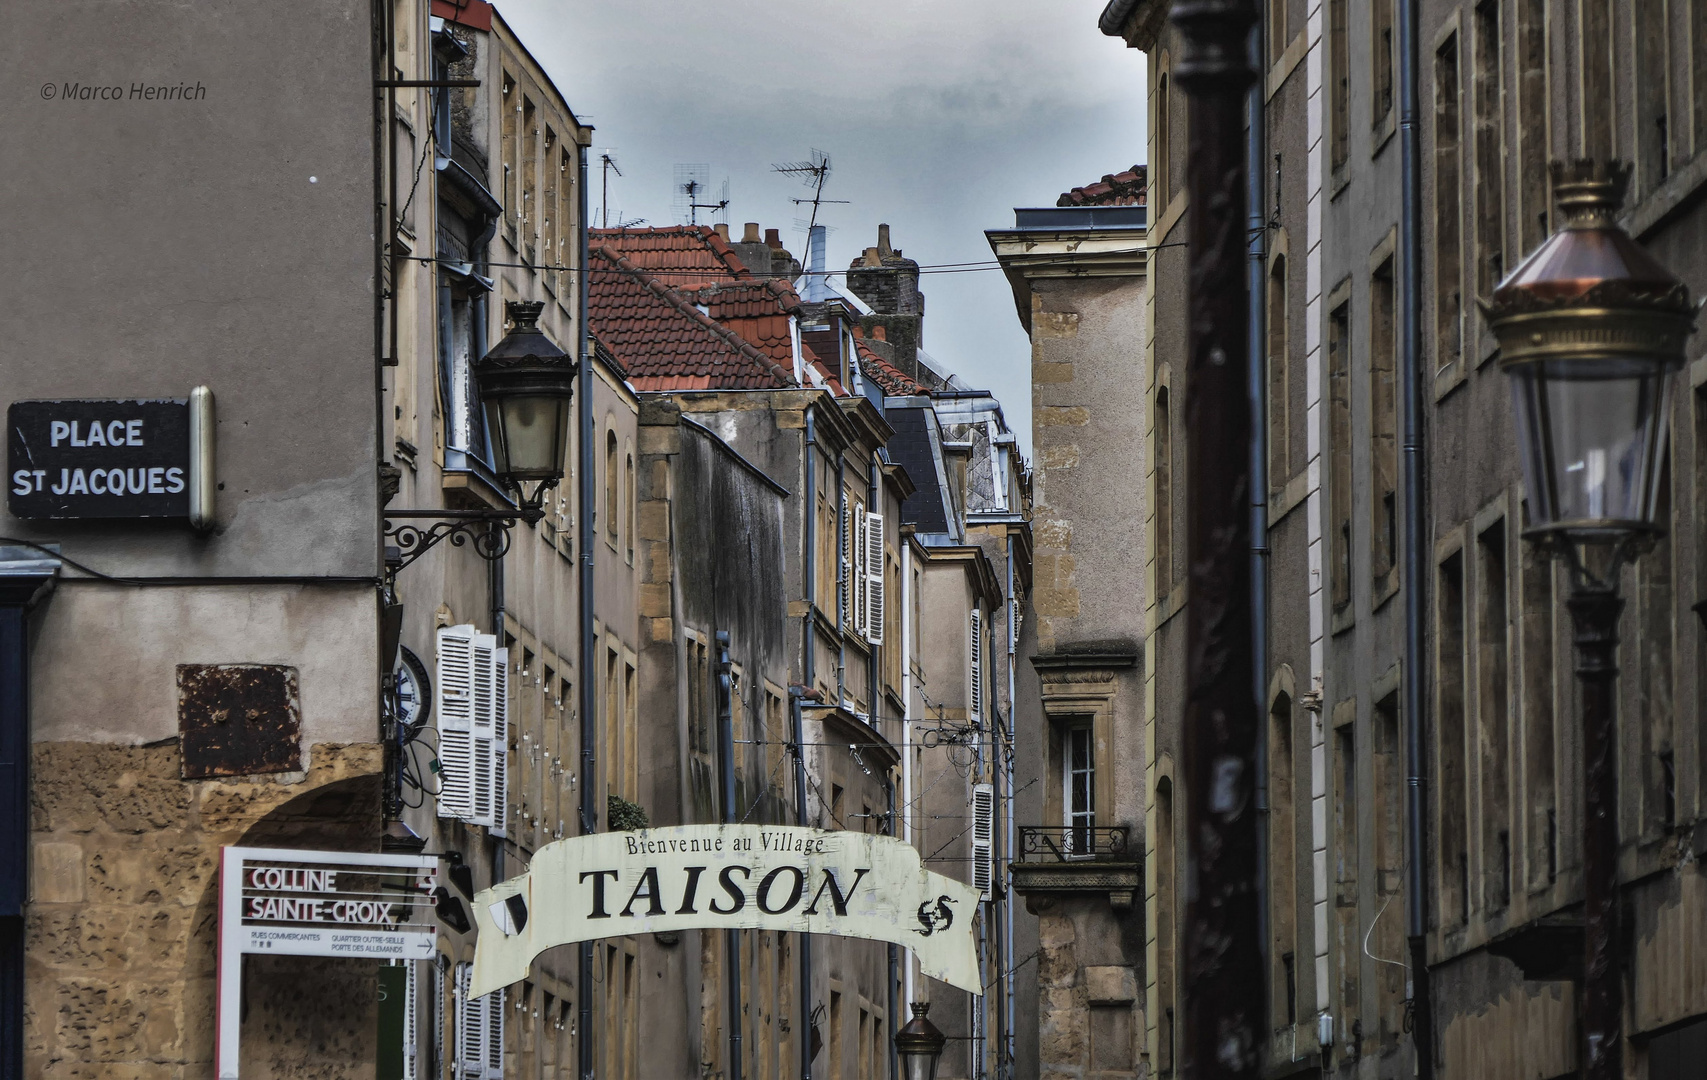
919	1045
526	384
1592	330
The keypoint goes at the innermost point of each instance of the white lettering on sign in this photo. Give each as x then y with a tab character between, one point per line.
292	879
99	433
154	480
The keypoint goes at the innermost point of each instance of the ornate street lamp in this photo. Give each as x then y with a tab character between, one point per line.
919	1045
1592	331
526	384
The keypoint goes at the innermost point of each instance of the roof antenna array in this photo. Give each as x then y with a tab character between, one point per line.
693	194
607	165
813	173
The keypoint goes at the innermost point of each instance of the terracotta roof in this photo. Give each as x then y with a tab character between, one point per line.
665	342
1116	189
892	379
696	262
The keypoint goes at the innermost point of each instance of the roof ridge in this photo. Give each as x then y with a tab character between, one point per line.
718	330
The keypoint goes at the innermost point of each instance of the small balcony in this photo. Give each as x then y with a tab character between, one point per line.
1057	861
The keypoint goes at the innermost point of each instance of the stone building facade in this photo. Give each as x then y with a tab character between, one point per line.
1079	274
1488	988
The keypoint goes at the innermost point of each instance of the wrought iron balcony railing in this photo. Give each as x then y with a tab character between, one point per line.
1066	843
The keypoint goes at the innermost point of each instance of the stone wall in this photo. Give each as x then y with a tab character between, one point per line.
121	930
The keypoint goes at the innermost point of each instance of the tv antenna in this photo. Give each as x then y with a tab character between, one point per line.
693	194
607	165
813	174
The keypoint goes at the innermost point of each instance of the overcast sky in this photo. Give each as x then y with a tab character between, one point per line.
938	116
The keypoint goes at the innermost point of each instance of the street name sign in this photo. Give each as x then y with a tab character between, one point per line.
723	877
284	901
99	459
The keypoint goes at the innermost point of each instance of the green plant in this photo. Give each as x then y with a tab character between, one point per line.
622	815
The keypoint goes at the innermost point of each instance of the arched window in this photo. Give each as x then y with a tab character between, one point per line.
1164	494
632	493
611	508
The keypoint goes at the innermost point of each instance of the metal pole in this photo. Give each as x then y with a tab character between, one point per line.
726	772
586	542
1223	974
1594	617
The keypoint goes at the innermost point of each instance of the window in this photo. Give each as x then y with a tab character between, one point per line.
1164	511
630	734
548	252
1283	866
1540	796
1652	616
872	572
461	327
838	1070
983	837
472	706
1339	449
1450	729
1697	89
610	741
1595	71
1448	291
611	497
1078	788
527	151
1279	389
1381	46
1347	923
1167	932
566	206
1279	30
1493	693
699	701
1383	425
1653	121
630	493
1532	112
1387	936
511	108
1490	150
1162	181
1339	64
479	1029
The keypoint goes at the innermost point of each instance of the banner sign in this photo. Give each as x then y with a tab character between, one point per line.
98	459
316	903
723	877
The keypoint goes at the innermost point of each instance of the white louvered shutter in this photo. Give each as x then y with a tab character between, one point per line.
859	579
494	1003
454	707
489	734
847	567
874	578
983	837
975	680
471	1026
411	1005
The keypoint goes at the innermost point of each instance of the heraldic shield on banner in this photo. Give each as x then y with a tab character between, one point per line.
727	877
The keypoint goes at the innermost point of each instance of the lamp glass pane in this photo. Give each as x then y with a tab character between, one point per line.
918	1066
1589	432
528	435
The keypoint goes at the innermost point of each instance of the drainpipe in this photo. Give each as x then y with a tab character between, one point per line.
1257	272
874	505
1010	836
844	567
894	950
1415	572
584	513
26	575
808	636
726	772
907	723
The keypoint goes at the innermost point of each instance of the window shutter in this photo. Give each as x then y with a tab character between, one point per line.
874	578
847	567
470	1027
489	737
983	837
494	1003
975	684
411	1006
500	782
454	707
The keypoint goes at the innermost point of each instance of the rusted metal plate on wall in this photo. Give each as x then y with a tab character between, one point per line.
238	719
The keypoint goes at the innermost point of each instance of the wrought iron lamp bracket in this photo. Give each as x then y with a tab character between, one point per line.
488	530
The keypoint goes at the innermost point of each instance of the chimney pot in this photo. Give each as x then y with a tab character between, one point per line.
773	239
722	230
879	332
751	235
883	247
871	257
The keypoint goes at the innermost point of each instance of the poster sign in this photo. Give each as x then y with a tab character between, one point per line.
722	877
316	903
98	459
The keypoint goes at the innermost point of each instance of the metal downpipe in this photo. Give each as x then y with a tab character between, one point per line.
1257	276
585	495
1415	571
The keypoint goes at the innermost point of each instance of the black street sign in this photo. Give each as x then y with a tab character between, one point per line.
98	459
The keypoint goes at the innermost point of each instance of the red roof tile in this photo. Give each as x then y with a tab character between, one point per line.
1117	189
665	342
892	379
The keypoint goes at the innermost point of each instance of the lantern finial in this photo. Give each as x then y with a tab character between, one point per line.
1590	191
